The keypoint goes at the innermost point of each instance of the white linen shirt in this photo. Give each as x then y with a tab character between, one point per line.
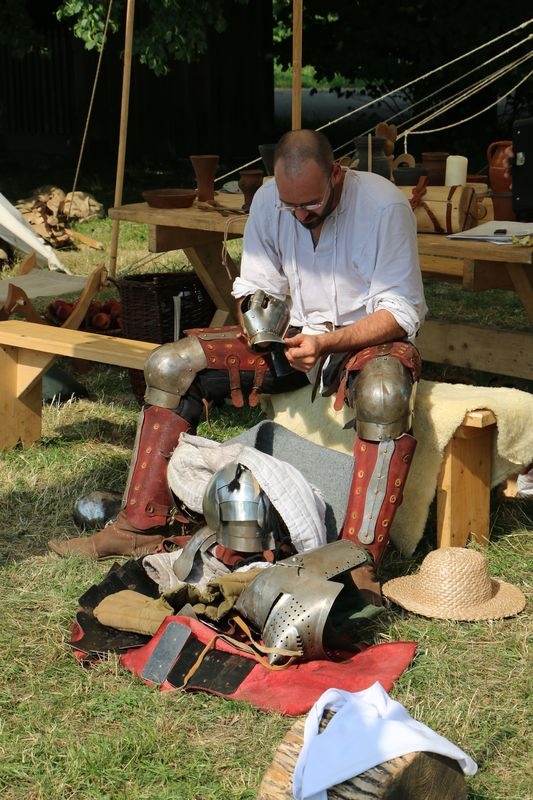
366	258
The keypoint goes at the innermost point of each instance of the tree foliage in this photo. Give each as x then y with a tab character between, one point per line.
165	30
382	47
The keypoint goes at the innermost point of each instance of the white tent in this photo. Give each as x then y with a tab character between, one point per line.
18	233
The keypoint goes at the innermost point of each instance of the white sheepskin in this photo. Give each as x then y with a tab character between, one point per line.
440	408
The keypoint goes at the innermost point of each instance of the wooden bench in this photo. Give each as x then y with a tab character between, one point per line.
463	489
27	349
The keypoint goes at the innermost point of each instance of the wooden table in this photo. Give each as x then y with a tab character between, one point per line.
199	231
477	266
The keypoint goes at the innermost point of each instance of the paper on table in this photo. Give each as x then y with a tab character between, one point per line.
498	231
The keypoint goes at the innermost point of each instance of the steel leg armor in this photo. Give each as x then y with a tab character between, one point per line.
382	393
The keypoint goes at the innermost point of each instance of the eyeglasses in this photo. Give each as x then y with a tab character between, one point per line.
305	206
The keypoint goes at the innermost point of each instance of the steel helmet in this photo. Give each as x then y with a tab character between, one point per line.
238	511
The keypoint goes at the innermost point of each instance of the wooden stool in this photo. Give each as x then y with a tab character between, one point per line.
463	489
416	776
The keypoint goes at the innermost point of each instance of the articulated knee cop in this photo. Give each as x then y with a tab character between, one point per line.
380	384
171	369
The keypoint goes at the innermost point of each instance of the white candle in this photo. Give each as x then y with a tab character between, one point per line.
456	170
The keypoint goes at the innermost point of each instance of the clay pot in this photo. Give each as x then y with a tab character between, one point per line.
381	165
497	159
408	176
205	168
249	182
435	163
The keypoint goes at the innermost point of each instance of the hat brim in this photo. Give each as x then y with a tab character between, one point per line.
506	601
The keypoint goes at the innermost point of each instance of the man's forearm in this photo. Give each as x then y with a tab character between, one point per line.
377	328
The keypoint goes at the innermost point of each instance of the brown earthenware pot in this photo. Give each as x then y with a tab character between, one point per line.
205	168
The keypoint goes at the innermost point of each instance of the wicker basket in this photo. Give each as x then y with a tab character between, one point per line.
148	310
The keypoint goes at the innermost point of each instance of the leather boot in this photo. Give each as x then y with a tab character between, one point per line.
381	469
118	538
142	524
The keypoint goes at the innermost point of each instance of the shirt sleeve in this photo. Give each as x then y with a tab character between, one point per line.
396	283
261	266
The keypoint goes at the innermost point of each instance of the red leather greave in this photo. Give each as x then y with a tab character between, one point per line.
381	469
147	498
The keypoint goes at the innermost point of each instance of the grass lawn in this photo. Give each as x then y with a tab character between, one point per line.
69	732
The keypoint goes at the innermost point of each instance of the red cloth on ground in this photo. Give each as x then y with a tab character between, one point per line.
293	691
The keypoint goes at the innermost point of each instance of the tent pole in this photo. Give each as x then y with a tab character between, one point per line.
123	131
297	23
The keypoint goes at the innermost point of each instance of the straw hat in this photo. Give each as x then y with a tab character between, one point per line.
454	583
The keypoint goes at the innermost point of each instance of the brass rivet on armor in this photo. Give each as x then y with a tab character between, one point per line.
392	498
358	490
133	501
363	448
262	361
209	346
156	426
380	537
212	359
354	515
251	361
397	482
143	465
385	523
361	474
406	458
148	450
351	530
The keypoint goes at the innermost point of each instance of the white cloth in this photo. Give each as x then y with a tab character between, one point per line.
524	484
160	568
366	258
196	459
367	729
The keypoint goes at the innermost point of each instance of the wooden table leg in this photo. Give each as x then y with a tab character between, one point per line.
523	286
463	490
21	395
207	262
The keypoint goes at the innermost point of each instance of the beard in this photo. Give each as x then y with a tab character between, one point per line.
318	219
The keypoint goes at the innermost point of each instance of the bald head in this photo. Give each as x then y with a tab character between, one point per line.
296	148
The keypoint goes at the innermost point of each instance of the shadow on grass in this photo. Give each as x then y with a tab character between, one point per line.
22	533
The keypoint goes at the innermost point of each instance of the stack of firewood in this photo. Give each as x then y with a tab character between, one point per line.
49	209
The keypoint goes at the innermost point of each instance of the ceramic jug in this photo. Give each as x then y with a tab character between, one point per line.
435	163
381	165
497	165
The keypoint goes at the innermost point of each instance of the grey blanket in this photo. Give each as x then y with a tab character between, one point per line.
327	470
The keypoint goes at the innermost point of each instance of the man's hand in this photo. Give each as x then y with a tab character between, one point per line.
302	351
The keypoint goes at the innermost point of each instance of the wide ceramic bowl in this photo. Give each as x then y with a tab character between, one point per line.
170	198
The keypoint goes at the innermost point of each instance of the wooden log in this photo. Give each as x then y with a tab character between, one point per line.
415	776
